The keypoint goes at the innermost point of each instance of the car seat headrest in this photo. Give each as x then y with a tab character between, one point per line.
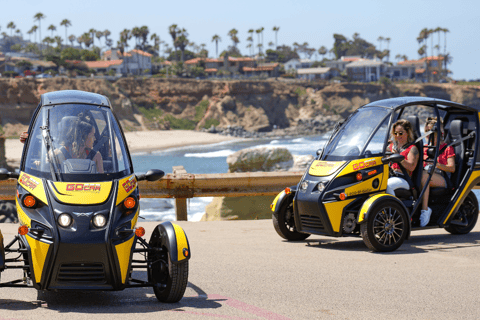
456	128
415	125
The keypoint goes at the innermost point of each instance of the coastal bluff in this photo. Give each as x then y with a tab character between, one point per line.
254	105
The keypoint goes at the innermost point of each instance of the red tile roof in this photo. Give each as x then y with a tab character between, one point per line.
261	68
211	70
231	59
103	64
140	52
420	60
419	70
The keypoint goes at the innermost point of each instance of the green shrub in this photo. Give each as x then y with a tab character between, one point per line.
200	110
180	124
211	122
300	91
151	113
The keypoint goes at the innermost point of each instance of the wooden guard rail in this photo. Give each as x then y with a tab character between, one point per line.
182	185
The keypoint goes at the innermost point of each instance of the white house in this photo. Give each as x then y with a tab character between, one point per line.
317	73
366	70
293	65
341	63
135	61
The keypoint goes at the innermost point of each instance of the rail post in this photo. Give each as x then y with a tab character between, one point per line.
181	211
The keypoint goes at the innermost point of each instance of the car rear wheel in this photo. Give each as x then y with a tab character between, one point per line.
284	223
386	227
466	217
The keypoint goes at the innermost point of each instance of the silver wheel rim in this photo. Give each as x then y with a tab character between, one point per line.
388	226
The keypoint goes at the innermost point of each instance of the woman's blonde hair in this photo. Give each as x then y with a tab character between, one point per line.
432	121
407	126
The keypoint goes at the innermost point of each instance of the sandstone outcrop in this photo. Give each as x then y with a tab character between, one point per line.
251	160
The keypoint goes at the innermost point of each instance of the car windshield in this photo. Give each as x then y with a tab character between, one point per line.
76	142
352	137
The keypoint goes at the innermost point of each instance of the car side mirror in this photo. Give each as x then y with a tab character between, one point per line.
319	151
5	174
395	158
151	175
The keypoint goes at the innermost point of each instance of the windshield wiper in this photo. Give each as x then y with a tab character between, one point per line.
47	139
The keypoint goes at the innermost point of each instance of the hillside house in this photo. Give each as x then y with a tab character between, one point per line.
317	73
292	65
366	70
426	69
231	64
341	64
134	61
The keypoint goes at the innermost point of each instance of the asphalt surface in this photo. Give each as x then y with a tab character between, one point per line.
244	270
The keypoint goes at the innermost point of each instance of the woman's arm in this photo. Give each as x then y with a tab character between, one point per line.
99	162
449	167
410	163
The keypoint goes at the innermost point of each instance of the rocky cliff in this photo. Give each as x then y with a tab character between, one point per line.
257	106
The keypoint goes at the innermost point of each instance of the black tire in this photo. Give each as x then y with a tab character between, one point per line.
173	276
468	212
284	223
386	227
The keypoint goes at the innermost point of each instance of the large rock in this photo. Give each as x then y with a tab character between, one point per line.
260	159
249	160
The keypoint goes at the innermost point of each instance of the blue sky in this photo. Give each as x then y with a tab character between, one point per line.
314	22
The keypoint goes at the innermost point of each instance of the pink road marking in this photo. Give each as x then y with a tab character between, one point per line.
249	308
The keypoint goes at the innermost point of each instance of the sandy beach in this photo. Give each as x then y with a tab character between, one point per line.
138	141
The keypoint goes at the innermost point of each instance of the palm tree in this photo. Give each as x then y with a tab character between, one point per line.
387	40
233	35
258	31
108	42
66	23
92	32
125	35
19	33
58	40
271	44
430	33
87	39
173	30
80	41
72	39
99	35
38	17
136	35
422	37
445	31
34	29
144	31
250	45
438	30
380	40
29	32
215	39
52	28
182	41
11	26
275	29
251	31
156	42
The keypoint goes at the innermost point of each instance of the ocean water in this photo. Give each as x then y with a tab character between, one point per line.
206	159
209	159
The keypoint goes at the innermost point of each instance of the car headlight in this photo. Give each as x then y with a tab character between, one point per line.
321	186
304	185
99	220
64	220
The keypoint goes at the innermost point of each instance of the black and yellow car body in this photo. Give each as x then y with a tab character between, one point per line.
78	225
343	192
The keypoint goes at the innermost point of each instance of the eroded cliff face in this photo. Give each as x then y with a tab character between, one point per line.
142	104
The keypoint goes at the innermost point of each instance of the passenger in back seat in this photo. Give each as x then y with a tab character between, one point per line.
445	163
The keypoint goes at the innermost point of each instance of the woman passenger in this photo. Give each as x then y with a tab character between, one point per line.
401	137
445	163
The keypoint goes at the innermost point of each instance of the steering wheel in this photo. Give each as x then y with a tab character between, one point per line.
354	151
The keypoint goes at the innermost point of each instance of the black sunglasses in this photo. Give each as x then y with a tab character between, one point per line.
398	133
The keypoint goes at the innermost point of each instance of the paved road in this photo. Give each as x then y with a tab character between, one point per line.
243	270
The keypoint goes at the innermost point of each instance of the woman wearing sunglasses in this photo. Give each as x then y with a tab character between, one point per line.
445	163
401	137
